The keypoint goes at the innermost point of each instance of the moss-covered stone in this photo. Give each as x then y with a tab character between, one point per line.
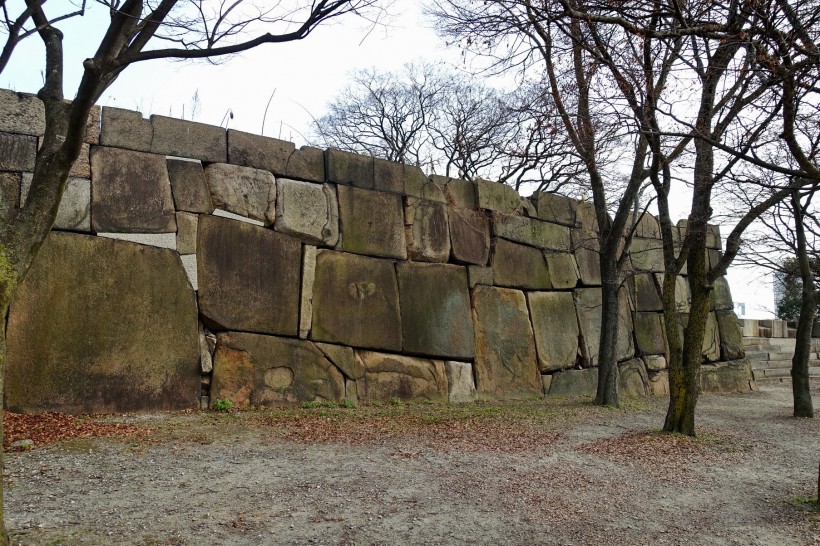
556	329
371	223
519	266
395	376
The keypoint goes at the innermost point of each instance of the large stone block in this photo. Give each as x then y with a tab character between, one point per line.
248	277
530	231
371	222
81	168
647	254
647	295
307	211
306	297
9	192
459	193
650	336
506	360
435	310
731	338
21	113
563	270
101	325
243	190
555	208
647	226
556	329
683	296
17	152
74	213
131	192
469	235
519	266
574	382
259	152
255	370
307	163
633	379
189	187
427	231
727	377
186	232
585	217
388	176
344	359
588	305
417	184
711	340
190	139
356	301
496	196
722	296
125	129
393	376
586	246
460	381
349	168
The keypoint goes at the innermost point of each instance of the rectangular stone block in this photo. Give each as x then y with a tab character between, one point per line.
259	152
469	235
92	125
188	186
647	254
563	270
647	226
497	197
519	266
371	223
435	310
407	378
647	294
248	277
17	152
555	324
417	184
574	383
181	138
308	278
349	168
650	336
731	337
586	246
74	213
9	192
478	274
21	113
187	232
585	217
82	165
242	190
307	211
307	163
459	193
722	296
131	192
343	358
388	176
532	232
426	230
588	303
460	381
555	208
125	129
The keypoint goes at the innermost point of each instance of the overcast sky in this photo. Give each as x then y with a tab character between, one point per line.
302	77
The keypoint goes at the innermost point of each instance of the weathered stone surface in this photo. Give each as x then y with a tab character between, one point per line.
248	277
190	139
207	347
654	363
647	294
243	190
238	217
344	359
459	193
186	232
585	216
546	380
308	278
734	376
563	270
632	378
469	235
478	274
259	152
21	113
349	168
307	163
460	381
131	192
556	329
81	168
506	360
531	232
711	340
659	383
555	208
435	310
585	247
255	370
92	126
519	266
713	257
9	192
388	176
588	308
713	239
683	298
496	196
102	326
417	184
17	152
372	223
307	211
387	376
189	264
189	187
648	226
427	231
159	240
731	339
575	382
646	254
126	129
650	336
351	392
356	301
722	296
74	213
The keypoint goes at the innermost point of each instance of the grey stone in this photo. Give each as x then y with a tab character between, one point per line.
349	168
459	193
713	239
435	310
506	360
735	376
417	184
74	213
159	240
574	383
92	126
722	295
460	381
10	184
131	192
308	278
469	236
351	392
102	326
496	196
563	270
17	152
388	176
546	380
650	336
585	246
307	211
186	232
531	232
647	254
206	363
126	129
555	324
519	266
731	338
659	383
81	168
588	307
585	217
711	340
344	359
371	222
243	190
648	226
238	217
555	208
189	139
248	277
259	152
393	376
478	274
647	296
654	363
356	301
189	264
682	295
254	370
427	231
307	163
21	113
632	378
189	187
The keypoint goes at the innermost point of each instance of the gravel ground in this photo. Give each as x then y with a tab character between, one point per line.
531	473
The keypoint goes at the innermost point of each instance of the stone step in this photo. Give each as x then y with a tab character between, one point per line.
757	357
759	375
778	364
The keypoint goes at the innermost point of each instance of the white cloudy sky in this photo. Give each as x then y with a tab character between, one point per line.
302	77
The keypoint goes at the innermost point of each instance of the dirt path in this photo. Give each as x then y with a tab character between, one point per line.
528	473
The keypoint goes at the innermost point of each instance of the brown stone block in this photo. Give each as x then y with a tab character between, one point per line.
259	152
519	266
349	168
555	324
125	129
469	235
189	139
17	152
307	163
555	208
21	113
189	186
371	222
427	230
407	378
242	190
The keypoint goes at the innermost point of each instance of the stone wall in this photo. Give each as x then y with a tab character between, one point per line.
190	264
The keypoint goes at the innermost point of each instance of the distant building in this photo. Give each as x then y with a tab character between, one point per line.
740	309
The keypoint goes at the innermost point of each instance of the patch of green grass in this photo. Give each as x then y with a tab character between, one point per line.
806	503
223	405
396	401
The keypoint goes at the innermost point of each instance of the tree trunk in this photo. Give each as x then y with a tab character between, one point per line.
802	348
7	283
607	394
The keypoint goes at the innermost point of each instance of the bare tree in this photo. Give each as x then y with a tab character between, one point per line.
138	31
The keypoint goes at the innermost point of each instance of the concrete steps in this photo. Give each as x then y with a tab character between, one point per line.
771	358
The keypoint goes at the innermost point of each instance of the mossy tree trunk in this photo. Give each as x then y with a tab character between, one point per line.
801	389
